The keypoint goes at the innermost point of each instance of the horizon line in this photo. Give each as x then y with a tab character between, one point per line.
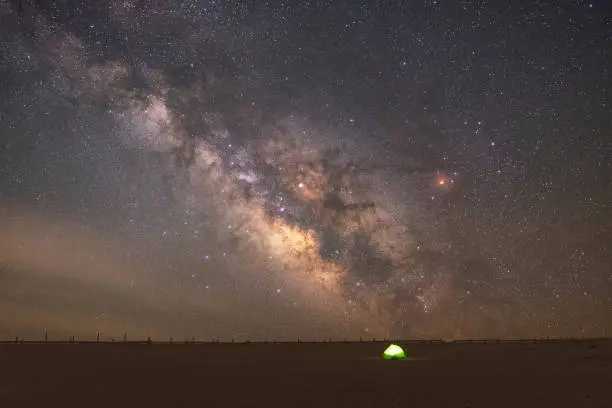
193	341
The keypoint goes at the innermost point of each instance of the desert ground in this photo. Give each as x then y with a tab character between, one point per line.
571	373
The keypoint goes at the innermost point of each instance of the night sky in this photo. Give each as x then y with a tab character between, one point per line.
275	169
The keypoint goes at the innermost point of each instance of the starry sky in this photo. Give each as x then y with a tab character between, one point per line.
313	169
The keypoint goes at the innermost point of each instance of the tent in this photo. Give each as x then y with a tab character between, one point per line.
394	352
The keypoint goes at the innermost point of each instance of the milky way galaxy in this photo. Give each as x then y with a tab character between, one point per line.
236	200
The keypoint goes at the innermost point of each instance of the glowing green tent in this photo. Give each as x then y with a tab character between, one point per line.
394	352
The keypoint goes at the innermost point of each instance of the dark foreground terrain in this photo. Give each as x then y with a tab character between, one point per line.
544	374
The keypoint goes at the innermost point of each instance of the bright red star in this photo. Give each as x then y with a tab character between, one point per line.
443	181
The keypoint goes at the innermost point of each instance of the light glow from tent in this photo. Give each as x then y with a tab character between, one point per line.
394	352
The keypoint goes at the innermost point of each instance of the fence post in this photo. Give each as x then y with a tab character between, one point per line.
97	337
170	340
125	337
46	337
149	340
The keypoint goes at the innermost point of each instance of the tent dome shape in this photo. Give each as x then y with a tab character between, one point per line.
394	352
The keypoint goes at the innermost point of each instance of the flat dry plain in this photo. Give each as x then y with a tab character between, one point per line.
576	374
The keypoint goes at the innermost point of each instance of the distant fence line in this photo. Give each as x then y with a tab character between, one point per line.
125	339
